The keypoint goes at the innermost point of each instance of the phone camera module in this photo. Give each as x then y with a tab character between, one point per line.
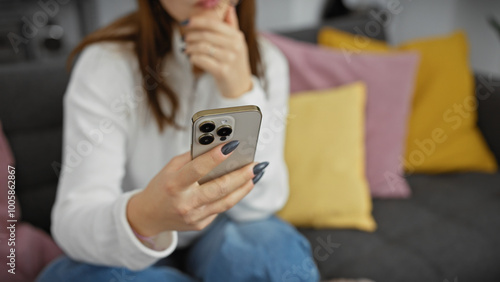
206	139
224	130
207	126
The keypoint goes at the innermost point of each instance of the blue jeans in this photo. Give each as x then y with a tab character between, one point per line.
265	250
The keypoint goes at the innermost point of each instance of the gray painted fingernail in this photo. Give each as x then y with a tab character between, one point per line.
258	177
184	23
260	167
230	147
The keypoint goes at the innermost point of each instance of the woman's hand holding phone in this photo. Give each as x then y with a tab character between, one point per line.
174	200
219	47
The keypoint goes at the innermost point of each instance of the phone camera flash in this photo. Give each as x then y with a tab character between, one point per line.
224	121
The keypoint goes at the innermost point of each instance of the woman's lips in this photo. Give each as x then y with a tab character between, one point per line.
208	4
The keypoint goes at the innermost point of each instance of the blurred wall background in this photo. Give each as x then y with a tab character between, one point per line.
417	18
414	19
420	18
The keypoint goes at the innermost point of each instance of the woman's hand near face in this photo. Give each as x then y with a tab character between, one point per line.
220	48
174	200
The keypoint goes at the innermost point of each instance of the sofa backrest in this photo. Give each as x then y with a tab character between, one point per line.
488	96
31	114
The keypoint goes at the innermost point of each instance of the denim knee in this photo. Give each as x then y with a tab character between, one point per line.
266	250
66	269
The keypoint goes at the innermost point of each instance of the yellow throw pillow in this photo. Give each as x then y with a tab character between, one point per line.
349	42
443	135
325	154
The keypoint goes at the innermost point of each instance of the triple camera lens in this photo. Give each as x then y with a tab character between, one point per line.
207	127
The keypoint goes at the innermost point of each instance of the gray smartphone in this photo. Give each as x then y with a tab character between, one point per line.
214	127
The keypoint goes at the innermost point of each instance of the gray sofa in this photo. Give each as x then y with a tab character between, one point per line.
448	231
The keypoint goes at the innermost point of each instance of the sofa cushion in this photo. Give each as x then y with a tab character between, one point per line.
348	42
328	186
449	228
390	83
448	108
443	119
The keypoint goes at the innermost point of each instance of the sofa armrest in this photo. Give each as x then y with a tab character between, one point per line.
488	96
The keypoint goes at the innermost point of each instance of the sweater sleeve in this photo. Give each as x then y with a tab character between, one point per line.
89	219
271	192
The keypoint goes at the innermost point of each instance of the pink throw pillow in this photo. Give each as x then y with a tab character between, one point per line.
390	80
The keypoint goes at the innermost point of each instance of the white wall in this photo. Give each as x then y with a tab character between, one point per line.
421	18
485	43
288	14
417	19
271	14
425	18
109	10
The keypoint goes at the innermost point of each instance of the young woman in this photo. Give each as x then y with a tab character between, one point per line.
128	194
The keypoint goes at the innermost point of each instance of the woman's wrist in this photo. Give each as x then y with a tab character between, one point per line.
138	217
249	87
240	92
149	242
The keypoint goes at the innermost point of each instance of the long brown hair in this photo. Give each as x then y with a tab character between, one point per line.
150	29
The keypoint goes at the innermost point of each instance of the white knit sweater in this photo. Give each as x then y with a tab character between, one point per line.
112	148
